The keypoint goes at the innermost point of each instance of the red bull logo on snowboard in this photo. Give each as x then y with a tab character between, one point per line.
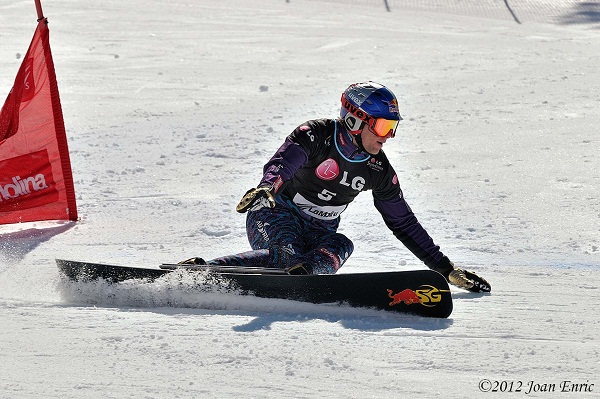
426	295
407	296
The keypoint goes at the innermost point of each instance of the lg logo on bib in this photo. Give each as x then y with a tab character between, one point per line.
328	169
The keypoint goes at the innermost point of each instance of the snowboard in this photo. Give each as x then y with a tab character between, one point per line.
420	292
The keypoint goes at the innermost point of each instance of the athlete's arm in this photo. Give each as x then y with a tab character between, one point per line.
295	152
290	157
401	220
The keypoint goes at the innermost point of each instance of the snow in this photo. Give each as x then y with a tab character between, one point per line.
171	109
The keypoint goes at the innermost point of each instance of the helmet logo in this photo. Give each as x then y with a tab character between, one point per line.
355	98
362	115
394	107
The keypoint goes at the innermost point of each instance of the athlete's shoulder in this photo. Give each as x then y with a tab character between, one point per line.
313	134
315	127
381	160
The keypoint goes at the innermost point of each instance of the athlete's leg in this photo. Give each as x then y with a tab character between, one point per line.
281	238
251	258
275	237
328	250
279	230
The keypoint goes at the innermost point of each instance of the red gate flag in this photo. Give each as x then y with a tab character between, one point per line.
36	181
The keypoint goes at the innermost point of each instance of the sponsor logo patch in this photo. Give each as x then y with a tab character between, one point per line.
328	169
318	211
375	165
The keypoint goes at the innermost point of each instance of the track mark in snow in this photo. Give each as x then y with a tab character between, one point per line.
216	233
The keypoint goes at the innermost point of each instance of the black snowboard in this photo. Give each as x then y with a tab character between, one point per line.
422	292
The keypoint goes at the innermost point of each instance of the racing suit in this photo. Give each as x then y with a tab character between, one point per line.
314	175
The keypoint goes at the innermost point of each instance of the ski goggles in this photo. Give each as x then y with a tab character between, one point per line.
378	126
383	127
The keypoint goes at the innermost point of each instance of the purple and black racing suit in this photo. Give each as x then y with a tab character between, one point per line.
315	174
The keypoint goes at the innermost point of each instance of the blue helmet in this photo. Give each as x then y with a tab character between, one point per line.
370	103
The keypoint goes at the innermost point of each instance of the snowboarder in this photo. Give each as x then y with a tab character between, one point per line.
294	212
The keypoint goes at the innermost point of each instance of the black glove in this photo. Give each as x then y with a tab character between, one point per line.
468	281
256	198
460	277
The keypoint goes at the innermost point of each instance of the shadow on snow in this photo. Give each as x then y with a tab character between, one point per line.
582	13
14	246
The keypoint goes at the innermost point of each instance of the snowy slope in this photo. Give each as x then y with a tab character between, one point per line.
171	109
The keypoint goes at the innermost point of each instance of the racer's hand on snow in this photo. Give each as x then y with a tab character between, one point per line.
255	199
468	280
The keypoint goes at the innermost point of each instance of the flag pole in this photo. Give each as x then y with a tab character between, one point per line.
38	7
